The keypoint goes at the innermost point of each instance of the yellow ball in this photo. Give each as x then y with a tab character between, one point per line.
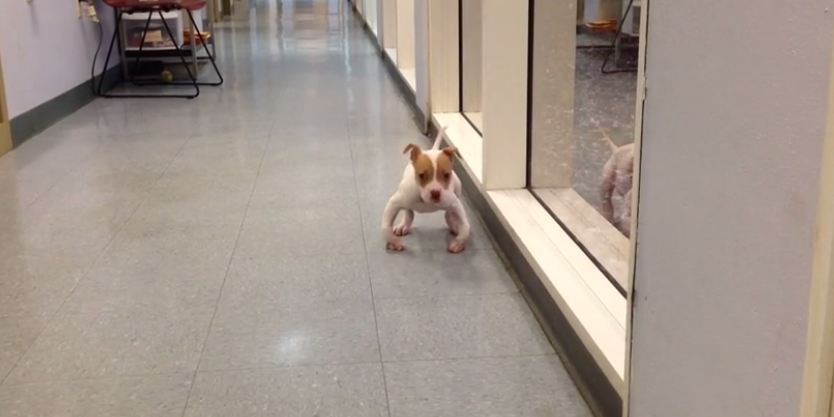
167	76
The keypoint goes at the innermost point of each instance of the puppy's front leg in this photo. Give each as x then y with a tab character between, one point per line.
457	216
453	222
606	188
404	227
392	241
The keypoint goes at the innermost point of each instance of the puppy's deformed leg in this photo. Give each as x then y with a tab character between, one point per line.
452	222
457	216
392	241
606	188
623	222
617	177
404	227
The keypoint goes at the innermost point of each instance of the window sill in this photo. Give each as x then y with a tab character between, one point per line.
610	247
595	309
593	306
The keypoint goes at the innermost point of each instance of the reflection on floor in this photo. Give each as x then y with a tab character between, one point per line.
221	256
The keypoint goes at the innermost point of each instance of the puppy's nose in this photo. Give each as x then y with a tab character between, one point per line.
435	195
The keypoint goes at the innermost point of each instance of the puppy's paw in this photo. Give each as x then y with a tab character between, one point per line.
402	230
395	246
456	246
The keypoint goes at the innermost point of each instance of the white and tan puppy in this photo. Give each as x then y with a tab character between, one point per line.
615	188
429	184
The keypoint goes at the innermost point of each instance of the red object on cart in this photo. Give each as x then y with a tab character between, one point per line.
151	5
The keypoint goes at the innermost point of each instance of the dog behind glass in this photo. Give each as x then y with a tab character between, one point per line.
615	188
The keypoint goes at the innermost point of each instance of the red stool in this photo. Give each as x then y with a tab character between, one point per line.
158	7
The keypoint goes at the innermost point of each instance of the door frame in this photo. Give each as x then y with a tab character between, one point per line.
5	129
818	376
635	196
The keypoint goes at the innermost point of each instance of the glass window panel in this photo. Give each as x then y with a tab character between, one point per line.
583	99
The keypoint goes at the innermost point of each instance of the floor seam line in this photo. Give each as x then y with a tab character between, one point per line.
368	266
280	367
446	296
96	378
122	226
226	275
477	357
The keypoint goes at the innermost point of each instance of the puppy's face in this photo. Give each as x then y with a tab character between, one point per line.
433	173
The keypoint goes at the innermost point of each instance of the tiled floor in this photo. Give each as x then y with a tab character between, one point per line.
220	257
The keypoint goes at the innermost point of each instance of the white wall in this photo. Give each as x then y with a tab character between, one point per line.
733	129
421	58
405	34
370	13
46	50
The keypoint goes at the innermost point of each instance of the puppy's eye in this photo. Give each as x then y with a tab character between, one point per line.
447	175
422	175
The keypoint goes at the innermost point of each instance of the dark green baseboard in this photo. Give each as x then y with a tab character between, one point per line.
38	119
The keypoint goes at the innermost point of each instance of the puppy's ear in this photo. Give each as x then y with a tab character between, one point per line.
414	149
450	152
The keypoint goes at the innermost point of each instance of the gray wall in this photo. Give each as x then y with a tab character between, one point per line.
733	128
46	50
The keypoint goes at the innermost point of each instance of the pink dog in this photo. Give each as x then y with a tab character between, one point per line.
616	187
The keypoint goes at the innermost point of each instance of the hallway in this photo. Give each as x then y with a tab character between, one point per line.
222	256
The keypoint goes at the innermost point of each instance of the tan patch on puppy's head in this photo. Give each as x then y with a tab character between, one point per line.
445	164
423	167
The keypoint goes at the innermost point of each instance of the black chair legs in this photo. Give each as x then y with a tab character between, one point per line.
192	76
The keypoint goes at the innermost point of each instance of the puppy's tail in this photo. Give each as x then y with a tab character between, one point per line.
440	134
